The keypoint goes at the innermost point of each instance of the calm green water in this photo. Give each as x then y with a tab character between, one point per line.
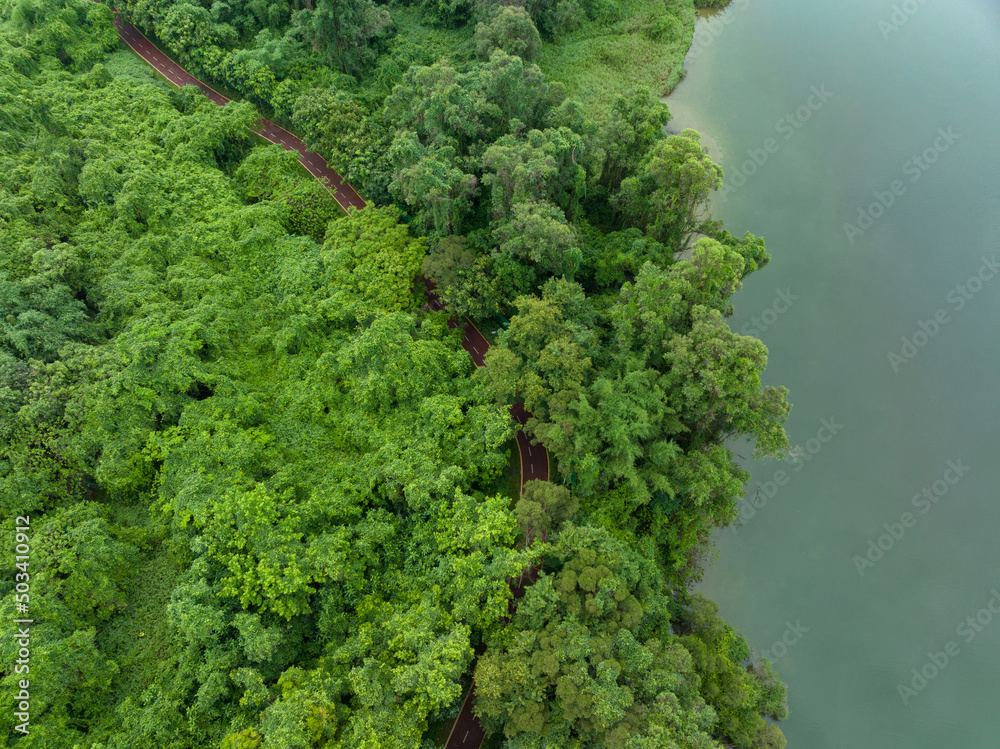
831	307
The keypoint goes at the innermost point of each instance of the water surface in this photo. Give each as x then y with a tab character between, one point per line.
915	106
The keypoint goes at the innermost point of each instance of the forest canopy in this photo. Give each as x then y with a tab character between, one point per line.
270	497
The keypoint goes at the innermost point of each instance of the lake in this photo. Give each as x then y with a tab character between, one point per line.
862	141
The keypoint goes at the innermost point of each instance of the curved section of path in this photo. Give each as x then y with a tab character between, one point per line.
342	192
534	458
467	733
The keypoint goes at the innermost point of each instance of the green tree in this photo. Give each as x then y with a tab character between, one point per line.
40	313
189	30
554	17
537	232
447	13
588	660
651	406
348	33
370	262
449	262
272	173
541	165
742	697
635	124
509	29
667	196
348	137
543	507
80	568
469	110
428	180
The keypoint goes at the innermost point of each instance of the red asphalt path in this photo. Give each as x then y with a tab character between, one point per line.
467	733
342	192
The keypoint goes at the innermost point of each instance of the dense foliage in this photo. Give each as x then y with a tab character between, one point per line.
268	494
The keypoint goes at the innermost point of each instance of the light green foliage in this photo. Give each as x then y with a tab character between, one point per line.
273	173
269	498
280	53
312	445
76	32
543	507
544	351
77	575
741	696
369	257
190	31
40	312
258	535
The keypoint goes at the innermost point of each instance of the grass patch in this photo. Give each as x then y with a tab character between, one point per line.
420	41
126	62
137	638
632	44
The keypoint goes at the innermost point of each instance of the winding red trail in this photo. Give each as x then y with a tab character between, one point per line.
467	733
342	192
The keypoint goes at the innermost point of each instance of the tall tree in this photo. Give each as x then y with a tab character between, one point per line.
634	125
348	33
668	194
429	181
511	30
